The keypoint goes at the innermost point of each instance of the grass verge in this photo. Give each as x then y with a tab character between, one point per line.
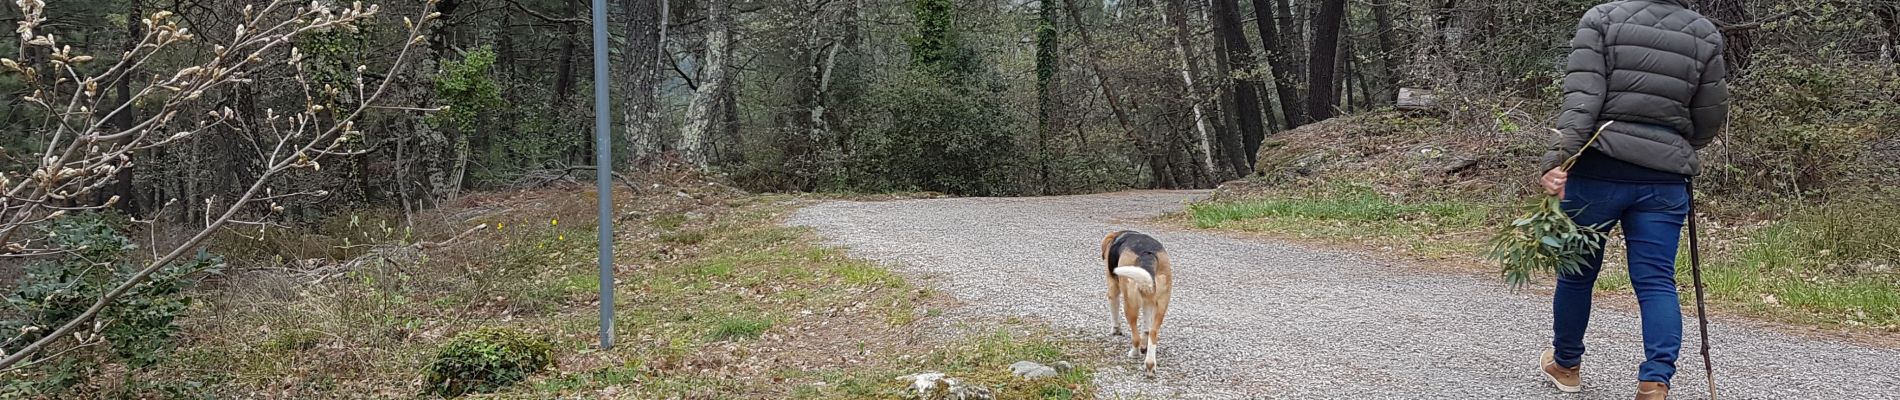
1827	265
1352	214
715	299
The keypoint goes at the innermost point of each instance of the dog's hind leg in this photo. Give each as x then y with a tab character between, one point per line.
1157	311
1114	304
1131	307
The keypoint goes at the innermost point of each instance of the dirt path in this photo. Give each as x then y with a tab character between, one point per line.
1270	320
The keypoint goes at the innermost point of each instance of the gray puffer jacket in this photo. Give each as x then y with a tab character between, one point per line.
1655	68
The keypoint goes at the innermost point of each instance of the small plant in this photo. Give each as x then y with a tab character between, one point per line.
485	360
740	328
140	329
1545	239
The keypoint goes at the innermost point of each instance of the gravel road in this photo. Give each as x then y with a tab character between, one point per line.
1264	320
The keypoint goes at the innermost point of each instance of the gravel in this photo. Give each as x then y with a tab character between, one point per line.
1253	319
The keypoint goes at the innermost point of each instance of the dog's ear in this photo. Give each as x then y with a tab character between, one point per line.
1107	241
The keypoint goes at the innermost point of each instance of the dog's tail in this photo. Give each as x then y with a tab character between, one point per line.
1142	275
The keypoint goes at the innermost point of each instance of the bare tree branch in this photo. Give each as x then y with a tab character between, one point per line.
86	163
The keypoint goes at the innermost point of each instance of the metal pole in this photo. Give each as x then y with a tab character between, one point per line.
603	171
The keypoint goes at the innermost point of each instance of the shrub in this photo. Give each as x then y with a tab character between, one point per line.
55	290
1802	128
485	360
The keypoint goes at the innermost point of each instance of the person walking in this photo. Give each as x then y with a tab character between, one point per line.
1644	90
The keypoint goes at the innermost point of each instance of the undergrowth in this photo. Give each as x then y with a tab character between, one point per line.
715	300
1828	264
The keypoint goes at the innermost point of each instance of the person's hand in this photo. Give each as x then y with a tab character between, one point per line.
1553	181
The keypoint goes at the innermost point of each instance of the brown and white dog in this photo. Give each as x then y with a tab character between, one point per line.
1139	284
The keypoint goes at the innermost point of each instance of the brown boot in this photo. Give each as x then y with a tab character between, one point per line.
1652	391
1568	380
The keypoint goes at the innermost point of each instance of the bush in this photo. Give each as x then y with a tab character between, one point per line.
485	360
139	328
942	137
1804	128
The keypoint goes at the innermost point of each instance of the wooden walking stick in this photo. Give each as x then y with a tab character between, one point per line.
1701	310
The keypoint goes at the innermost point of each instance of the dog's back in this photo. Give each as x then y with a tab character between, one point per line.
1144	248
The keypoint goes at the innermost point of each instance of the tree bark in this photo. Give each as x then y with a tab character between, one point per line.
1279	60
1391	51
704	110
1176	14
646	51
1320	61
1246	101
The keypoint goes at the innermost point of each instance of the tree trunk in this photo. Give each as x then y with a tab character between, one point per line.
704	110
646	52
1320	61
1391	52
505	47
1246	100
1231	152
441	146
1290	35
808	132
121	186
1740	44
1347	74
1278	59
1176	14
564	72
730	148
1047	61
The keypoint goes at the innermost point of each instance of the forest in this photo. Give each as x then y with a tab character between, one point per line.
154	151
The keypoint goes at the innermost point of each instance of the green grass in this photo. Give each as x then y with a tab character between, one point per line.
1349	213
736	328
702	296
1820	263
698	305
1818	266
1829	264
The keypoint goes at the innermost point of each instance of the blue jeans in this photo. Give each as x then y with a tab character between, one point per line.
1652	215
